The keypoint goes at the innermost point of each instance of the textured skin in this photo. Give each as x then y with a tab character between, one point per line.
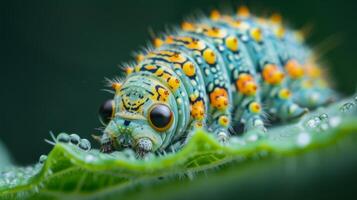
215	73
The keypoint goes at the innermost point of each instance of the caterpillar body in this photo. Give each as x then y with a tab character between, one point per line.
213	73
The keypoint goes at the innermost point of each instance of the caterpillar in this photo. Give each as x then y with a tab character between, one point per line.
212	73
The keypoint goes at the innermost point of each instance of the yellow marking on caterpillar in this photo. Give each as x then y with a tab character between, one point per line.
223	121
174	83
232	43
159	72
257	34
213	31
284	93
130	104
150	67
160	94
209	56
254	107
189	69
279	32
189	42
169	56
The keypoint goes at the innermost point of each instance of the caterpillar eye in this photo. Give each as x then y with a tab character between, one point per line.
160	117
106	111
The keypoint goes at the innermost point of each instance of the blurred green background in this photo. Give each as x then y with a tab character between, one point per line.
55	55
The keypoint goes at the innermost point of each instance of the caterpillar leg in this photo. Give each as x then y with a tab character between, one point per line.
220	114
220	127
283	106
312	98
109	142
247	99
252	118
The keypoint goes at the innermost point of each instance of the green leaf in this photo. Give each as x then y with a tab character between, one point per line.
71	173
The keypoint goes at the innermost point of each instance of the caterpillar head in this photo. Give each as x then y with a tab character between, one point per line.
141	116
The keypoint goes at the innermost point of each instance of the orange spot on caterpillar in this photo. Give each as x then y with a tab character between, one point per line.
215	15
158	42
294	69
198	110
139	57
116	86
219	98
246	84
276	18
272	74
243	11
188	26
128	70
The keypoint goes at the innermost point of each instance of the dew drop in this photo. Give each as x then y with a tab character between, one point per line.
85	144
89	158
42	159
74	138
335	121
313	123
323	117
346	107
63	137
303	139
324	127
